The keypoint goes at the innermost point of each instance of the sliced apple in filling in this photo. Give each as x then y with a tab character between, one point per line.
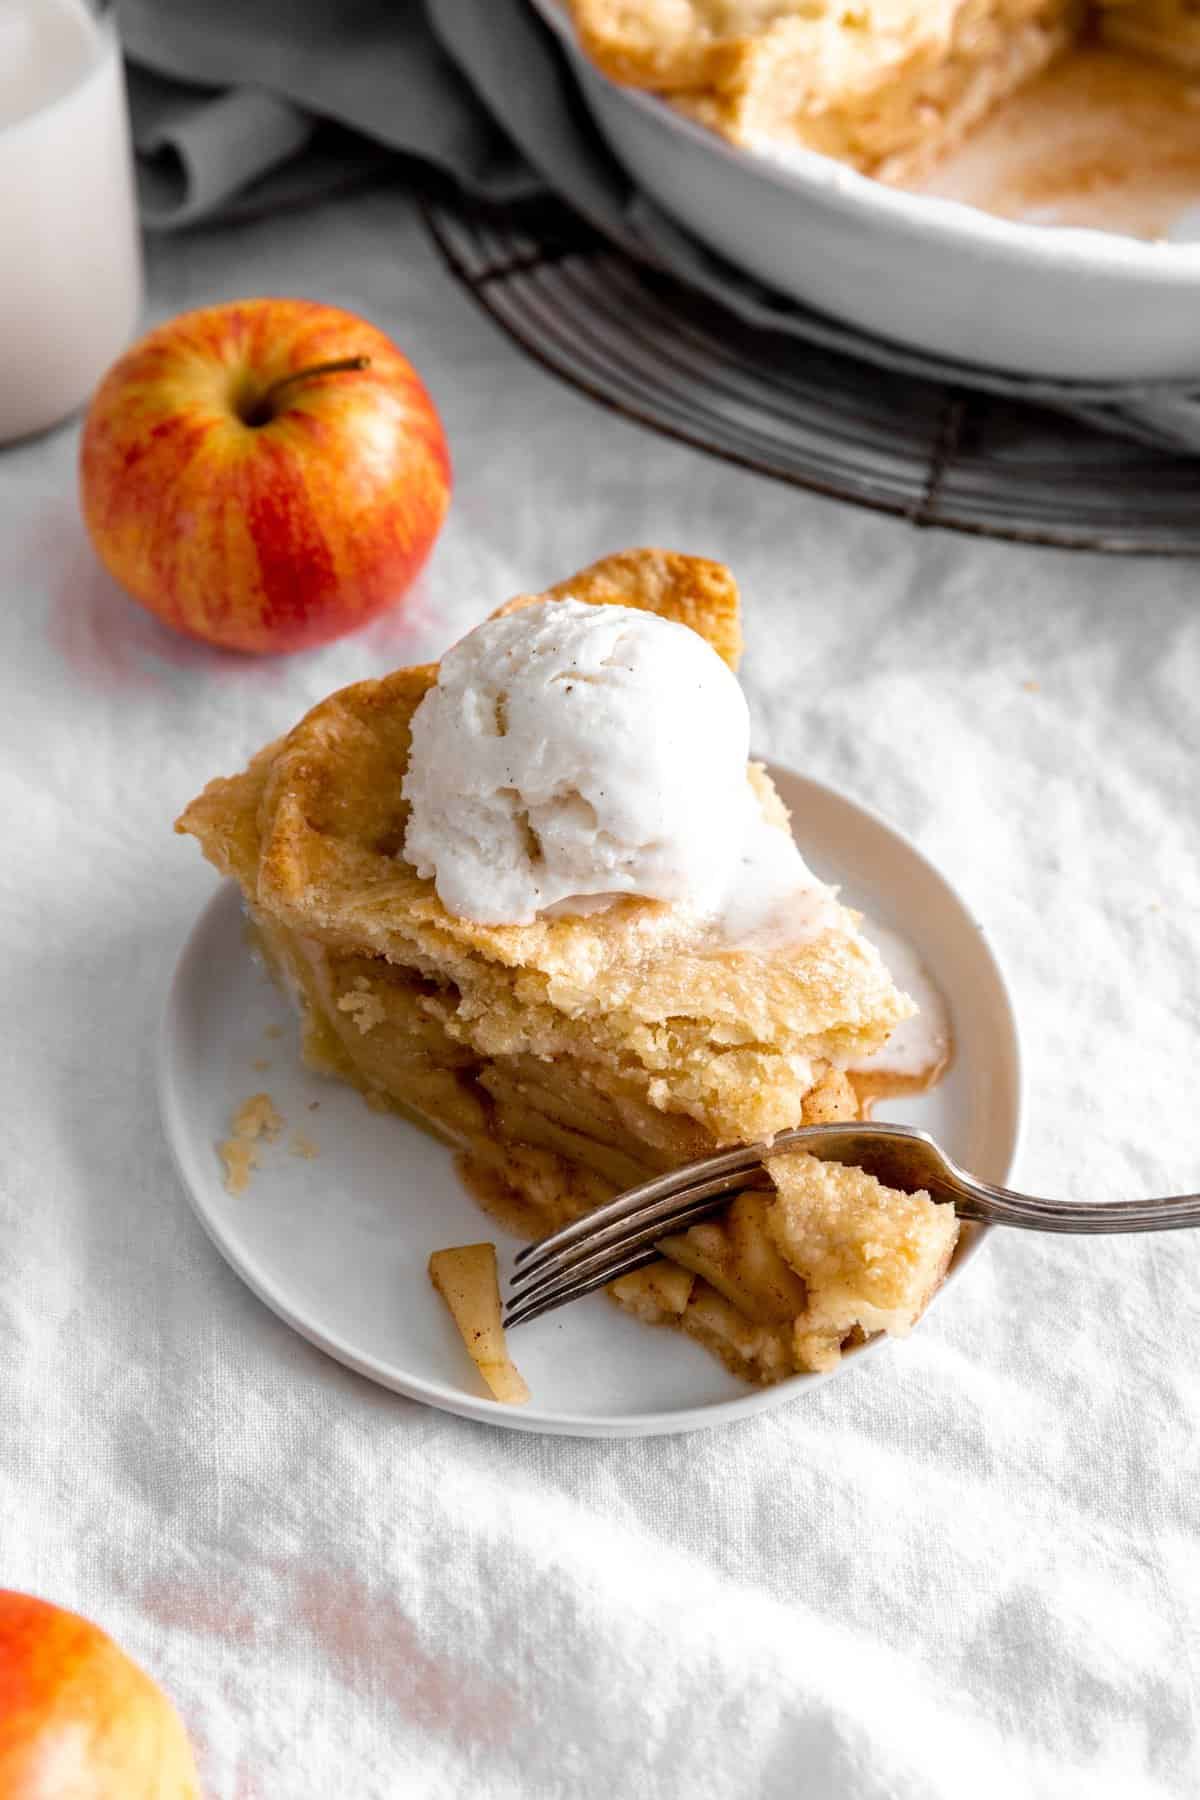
466	1278
737	1256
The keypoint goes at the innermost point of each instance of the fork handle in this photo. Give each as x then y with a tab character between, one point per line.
1000	1206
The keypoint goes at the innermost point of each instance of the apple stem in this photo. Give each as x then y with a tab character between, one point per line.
266	406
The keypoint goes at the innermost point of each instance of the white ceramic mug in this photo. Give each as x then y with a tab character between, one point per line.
70	250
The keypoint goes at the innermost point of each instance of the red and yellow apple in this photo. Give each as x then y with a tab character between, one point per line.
264	475
78	1718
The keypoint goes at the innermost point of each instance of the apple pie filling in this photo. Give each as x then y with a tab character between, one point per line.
887	86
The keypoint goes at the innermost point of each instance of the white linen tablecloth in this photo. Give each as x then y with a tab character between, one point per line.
971	1567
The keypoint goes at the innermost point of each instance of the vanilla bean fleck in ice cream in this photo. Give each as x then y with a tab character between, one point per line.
571	753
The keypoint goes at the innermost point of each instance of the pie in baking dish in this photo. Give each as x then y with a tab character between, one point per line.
887	86
579	1054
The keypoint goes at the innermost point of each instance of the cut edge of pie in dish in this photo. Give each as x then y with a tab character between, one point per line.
886	86
579	1054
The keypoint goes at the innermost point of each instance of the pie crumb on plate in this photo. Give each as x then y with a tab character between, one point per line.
255	1118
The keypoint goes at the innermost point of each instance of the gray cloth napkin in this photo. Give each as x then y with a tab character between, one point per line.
243	106
240	106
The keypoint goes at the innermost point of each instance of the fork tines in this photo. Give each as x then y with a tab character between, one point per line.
621	1236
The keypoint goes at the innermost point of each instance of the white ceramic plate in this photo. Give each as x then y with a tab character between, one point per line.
925	271
338	1246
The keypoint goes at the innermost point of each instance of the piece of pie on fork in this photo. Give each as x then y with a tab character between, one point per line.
577	1055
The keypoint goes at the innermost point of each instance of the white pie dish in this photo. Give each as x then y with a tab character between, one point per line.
926	272
338	1246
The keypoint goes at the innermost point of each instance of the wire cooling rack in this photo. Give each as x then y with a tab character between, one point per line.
660	354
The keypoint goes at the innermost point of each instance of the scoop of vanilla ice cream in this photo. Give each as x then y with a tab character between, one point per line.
569	752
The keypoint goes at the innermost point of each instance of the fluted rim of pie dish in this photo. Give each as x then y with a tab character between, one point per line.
930	214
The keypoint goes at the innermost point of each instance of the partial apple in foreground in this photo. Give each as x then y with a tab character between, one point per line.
265	475
78	1718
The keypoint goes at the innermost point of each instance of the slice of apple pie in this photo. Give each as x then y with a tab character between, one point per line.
607	1035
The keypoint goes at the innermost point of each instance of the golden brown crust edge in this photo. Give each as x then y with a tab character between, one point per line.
264	808
675	50
224	818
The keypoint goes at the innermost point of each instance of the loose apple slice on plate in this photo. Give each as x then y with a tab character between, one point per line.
465	1276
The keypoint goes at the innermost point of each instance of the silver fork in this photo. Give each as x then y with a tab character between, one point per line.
622	1235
